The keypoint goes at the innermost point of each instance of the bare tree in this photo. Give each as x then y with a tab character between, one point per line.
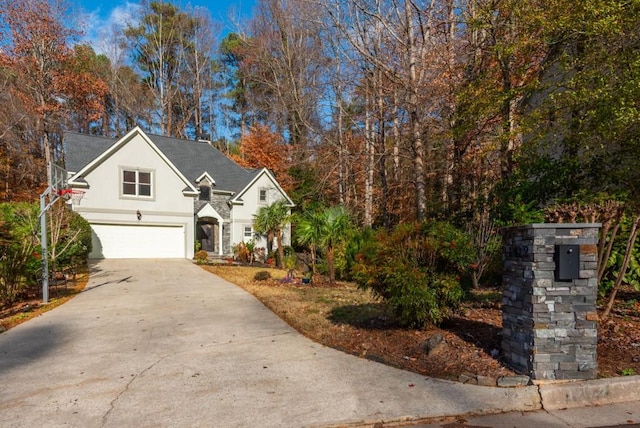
172	50
285	67
36	37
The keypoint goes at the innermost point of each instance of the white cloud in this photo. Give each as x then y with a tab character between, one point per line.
99	29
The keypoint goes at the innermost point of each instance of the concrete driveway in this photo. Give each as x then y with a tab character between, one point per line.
164	343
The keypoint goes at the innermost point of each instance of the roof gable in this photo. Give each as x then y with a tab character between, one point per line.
192	160
196	158
258	174
92	148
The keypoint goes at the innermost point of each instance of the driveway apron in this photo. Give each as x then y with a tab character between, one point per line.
155	343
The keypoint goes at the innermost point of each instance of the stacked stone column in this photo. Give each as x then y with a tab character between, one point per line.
549	326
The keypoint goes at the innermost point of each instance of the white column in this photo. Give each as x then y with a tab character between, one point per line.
220	249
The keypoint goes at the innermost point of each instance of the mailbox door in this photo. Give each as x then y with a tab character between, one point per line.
567	262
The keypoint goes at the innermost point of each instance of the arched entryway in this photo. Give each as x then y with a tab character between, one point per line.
208	232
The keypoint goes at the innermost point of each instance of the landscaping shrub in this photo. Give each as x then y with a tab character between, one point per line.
74	241
20	253
417	269
19	249
201	257
262	275
289	257
353	247
242	252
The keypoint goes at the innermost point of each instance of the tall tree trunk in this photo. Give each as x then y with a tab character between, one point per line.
414	119
396	139
369	167
382	150
341	148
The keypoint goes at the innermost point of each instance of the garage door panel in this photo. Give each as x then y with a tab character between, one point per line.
119	241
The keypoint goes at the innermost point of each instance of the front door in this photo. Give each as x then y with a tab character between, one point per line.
207	238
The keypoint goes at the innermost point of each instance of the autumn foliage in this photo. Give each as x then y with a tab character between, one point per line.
262	148
46	86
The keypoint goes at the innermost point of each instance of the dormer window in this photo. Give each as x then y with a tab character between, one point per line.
205	193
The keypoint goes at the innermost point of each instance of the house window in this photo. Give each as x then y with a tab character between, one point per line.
205	193
262	198
136	183
248	232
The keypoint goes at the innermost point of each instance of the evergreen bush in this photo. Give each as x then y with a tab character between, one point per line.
417	269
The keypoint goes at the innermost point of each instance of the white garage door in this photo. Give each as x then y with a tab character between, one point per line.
111	241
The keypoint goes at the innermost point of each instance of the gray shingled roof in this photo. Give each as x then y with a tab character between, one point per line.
192	158
81	149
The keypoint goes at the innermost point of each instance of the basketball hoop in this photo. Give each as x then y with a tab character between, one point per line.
74	195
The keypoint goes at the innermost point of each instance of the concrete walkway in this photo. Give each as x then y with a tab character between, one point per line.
164	343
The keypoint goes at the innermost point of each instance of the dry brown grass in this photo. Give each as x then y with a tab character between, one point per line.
314	310
347	318
31	306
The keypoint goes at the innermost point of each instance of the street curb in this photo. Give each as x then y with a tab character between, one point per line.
556	396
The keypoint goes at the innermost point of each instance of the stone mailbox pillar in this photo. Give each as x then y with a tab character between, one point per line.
549	300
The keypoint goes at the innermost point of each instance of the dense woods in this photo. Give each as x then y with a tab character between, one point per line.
398	110
480	112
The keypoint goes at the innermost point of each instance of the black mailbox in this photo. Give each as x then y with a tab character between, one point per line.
567	262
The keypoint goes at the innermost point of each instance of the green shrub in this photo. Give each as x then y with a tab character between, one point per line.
74	241
19	249
417	269
262	275
290	257
201	257
353	247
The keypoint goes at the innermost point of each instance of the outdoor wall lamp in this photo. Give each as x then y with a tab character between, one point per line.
139	215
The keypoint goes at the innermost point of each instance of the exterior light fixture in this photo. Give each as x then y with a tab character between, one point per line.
139	215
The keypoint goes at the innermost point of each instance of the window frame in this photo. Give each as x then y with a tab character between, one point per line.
246	228
264	201
137	183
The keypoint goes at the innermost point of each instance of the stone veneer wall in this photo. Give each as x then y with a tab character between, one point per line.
219	203
549	327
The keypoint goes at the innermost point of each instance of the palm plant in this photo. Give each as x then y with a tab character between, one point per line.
269	221
309	229
336	227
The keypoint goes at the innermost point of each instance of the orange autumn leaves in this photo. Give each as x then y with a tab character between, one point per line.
261	147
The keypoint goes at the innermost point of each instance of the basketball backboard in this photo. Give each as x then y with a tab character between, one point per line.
58	179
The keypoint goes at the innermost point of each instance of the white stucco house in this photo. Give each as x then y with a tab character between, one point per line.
149	196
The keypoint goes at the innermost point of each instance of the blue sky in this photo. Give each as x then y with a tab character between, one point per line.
99	15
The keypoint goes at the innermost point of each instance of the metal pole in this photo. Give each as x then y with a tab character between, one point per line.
43	243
